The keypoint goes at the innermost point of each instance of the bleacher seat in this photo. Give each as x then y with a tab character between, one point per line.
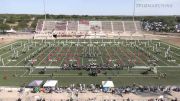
72	26
118	27
60	26
83	25
129	26
138	25
95	26
49	26
106	26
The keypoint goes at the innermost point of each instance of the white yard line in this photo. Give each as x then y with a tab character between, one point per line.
169	51
175	53
40	54
156	57
168	66
101	54
10	55
108	53
82	60
64	56
12	70
45	57
56	54
10	61
148	76
23	59
163	56
9	45
136	56
118	55
85	51
122	51
75	52
10	51
170	45
13	66
24	73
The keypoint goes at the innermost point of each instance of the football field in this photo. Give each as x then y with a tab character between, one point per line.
147	62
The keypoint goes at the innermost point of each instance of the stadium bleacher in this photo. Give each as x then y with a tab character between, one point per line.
88	28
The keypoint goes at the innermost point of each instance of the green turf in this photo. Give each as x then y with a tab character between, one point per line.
120	78
61	52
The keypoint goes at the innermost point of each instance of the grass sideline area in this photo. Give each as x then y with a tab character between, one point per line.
75	55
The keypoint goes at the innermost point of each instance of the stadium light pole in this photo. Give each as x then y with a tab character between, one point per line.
134	3
44	4
134	9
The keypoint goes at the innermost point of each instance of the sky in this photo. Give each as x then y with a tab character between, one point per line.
91	7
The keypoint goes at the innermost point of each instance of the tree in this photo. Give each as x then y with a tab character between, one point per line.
4	27
22	25
34	23
178	19
11	19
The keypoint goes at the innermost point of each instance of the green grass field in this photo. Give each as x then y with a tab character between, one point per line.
115	59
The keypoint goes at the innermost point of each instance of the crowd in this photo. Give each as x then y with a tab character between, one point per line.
159	27
161	92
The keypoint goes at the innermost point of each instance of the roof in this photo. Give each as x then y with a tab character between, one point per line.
50	83
108	84
35	83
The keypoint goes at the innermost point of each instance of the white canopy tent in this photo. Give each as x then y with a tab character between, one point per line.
35	83
51	84
107	84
